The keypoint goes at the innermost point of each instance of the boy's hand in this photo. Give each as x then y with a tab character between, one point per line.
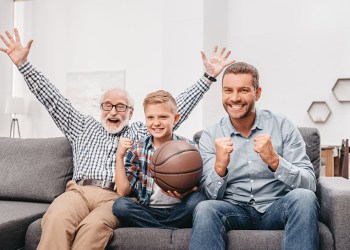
123	146
176	194
217	62
17	53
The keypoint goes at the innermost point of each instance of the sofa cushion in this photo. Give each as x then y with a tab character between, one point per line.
34	169
128	238
312	140
155	238
142	238
271	239
15	218
33	235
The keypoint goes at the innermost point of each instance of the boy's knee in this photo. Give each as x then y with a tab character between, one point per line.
195	198
121	207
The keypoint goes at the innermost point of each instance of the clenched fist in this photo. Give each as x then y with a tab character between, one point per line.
224	147
263	146
123	146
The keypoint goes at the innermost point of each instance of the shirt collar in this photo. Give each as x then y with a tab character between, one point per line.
149	143
258	124
121	132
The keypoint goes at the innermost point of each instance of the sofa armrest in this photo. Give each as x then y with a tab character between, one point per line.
334	198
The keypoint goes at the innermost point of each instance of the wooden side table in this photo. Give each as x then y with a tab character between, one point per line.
327	153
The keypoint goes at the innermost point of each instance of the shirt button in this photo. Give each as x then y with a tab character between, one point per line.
292	186
252	181
219	182
247	140
279	176
251	196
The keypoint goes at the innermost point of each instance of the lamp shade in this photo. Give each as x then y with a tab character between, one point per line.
14	105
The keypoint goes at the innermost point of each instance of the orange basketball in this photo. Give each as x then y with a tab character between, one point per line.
176	166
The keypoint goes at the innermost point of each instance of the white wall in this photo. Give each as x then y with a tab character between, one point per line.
6	21
148	39
215	33
181	64
300	48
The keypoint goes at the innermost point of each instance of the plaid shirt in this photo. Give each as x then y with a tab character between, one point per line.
137	167
93	147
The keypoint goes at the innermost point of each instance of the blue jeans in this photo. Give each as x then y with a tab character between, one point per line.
296	213
132	214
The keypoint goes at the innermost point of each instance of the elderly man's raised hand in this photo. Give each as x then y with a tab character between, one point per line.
17	53
217	61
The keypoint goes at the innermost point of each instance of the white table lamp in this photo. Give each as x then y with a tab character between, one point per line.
14	106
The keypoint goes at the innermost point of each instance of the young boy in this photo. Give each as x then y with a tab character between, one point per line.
154	207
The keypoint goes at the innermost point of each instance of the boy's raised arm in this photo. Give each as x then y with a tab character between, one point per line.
214	65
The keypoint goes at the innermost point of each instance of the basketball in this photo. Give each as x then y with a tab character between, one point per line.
176	166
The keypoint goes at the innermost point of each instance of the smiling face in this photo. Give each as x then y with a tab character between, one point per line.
160	120
239	97
161	115
114	121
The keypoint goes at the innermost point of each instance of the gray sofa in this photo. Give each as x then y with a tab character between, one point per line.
35	171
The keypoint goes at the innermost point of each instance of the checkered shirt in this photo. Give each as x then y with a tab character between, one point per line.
93	147
137	167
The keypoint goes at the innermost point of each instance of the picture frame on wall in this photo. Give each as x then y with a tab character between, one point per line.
84	89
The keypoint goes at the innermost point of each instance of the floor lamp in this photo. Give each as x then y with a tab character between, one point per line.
14	106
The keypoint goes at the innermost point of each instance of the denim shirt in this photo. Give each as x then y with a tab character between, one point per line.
249	179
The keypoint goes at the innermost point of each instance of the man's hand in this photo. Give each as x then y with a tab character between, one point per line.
176	194
123	146
17	53
263	146
224	147
217	62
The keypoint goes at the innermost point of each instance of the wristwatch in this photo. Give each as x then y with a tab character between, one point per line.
210	78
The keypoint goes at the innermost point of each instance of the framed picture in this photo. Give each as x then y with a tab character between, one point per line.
84	89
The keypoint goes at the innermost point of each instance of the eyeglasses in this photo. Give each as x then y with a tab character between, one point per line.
119	107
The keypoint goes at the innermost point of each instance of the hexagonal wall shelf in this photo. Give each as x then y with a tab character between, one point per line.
341	90
319	112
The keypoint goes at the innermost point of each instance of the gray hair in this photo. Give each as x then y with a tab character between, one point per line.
123	91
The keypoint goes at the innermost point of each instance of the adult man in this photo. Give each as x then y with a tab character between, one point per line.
256	171
82	218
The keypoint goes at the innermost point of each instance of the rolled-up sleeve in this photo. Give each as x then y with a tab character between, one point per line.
295	168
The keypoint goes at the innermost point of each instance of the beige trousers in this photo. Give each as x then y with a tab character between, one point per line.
80	218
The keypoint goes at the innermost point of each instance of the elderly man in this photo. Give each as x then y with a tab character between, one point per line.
82	218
